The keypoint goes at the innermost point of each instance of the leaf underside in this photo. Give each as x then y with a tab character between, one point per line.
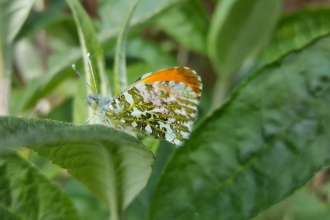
112	164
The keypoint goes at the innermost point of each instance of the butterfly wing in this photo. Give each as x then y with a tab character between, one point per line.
162	104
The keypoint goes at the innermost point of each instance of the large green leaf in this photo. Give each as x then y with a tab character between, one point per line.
27	194
238	30
266	141
112	164
296	30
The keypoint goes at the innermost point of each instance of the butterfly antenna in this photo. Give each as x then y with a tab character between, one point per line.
90	65
89	119
79	74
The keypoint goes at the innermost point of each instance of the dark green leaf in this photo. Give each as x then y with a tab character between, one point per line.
112	164
27	194
296	30
266	141
62	112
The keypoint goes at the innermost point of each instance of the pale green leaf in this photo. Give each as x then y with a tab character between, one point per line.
239	29
89	44
12	16
120	78
112	164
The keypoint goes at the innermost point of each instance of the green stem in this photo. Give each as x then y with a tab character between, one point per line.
220	92
4	95
4	78
120	78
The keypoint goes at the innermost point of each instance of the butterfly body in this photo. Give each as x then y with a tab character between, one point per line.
161	104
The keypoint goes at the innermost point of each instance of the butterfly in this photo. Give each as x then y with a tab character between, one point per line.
162	104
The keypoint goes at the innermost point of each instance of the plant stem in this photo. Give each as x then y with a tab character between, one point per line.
220	92
4	95
4	78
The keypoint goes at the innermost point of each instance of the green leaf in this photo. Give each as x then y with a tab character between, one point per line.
112	14
40	87
12	16
239	29
138	209
61	112
188	25
151	143
136	70
296	30
304	204
112	164
146	10
54	15
120	78
89	44
29	66
151	53
266	141
27	194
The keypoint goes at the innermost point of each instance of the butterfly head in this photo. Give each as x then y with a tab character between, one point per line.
93	101
97	103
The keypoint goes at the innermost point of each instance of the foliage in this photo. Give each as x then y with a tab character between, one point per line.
22	185
261	135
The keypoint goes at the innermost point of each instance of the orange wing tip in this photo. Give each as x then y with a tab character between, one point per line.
177	74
